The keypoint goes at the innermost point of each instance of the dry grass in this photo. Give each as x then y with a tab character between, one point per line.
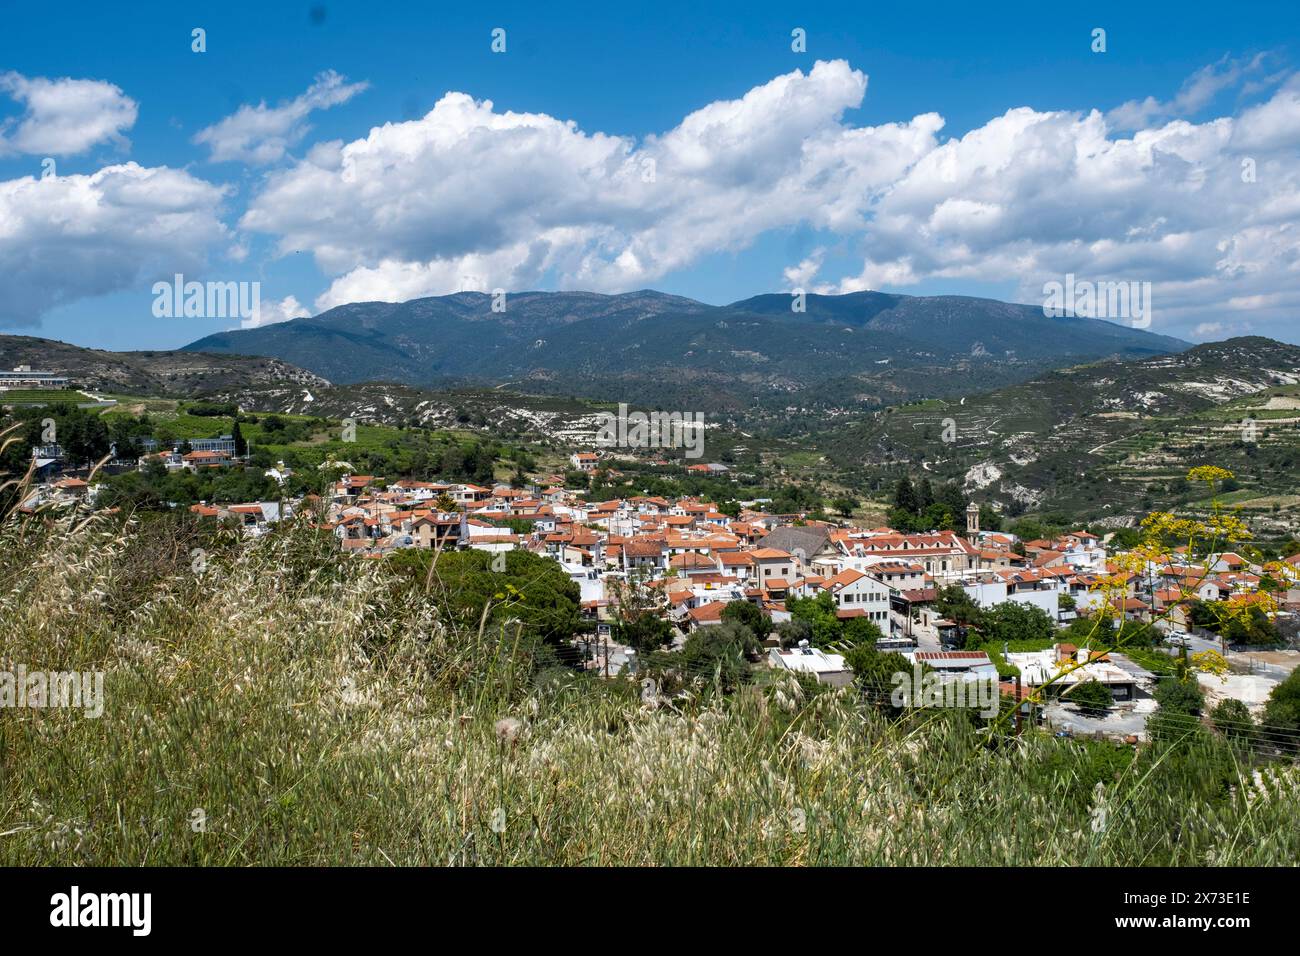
314	710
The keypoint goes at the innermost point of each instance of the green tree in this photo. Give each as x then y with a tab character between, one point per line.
990	520
953	603
876	674
905	497
1181	696
131	491
83	436
1092	696
1092	630
924	495
748	615
645	633
1251	627
1013	621
860	630
953	500
791	632
844	506
122	437
1232	719
533	591
1282	711
1175	721
819	614
720	651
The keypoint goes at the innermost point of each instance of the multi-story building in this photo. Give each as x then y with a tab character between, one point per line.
24	376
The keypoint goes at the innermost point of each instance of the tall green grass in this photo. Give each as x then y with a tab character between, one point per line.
314	709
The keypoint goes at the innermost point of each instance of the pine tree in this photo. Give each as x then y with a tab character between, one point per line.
905	496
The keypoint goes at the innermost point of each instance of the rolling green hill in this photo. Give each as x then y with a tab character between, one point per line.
173	373
1106	439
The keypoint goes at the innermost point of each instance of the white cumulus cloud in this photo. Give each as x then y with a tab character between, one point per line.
64	238
1032	196
510	198
1197	91
63	117
270	311
470	196
262	134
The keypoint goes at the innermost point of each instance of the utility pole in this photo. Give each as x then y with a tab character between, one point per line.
1019	705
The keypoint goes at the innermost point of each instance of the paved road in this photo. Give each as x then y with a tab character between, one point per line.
926	637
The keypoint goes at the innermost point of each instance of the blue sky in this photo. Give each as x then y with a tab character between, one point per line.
893	165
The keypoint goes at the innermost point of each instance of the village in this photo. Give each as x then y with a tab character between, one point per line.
690	561
695	561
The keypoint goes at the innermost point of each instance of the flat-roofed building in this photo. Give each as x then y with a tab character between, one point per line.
24	376
827	668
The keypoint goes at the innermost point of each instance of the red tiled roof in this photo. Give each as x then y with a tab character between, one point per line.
708	612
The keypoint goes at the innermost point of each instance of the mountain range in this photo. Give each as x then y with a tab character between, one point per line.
754	358
1106	439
